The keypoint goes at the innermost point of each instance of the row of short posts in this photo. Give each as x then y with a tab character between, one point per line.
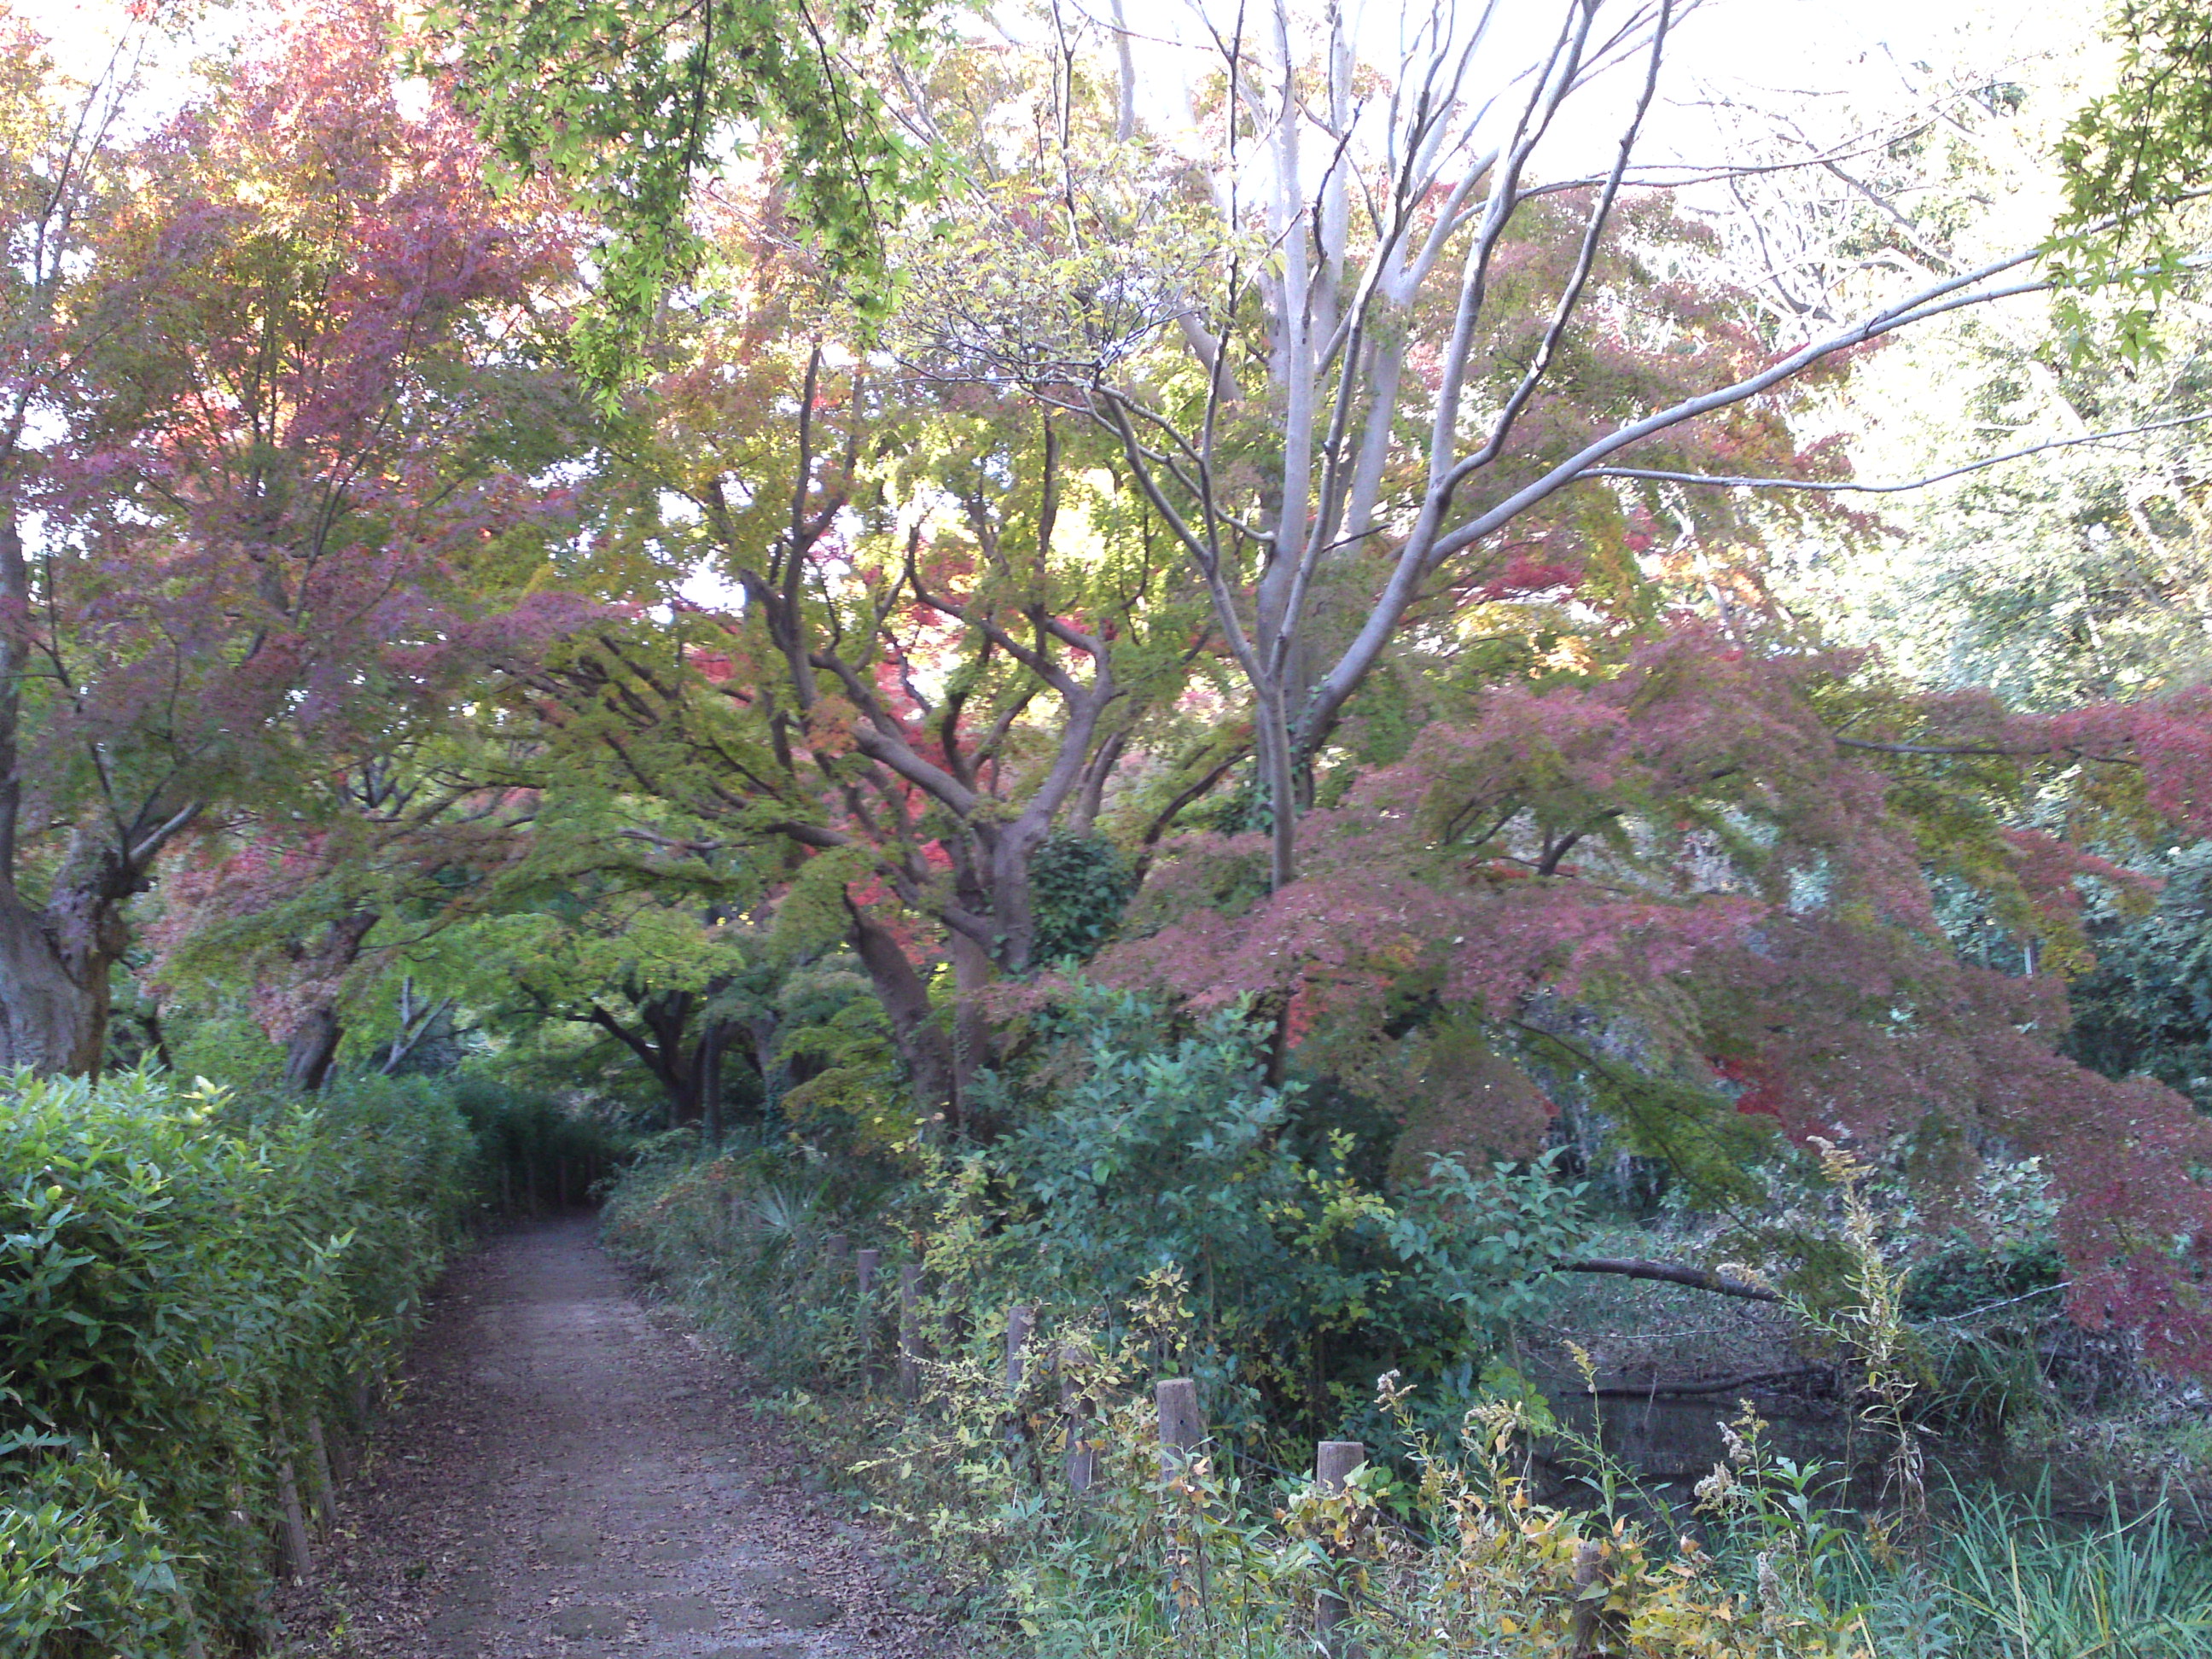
299	1522
326	1458
299	1559
295	1537
1182	1432
1182	1422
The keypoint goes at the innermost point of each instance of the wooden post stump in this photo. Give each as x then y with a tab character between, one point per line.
1182	1431
1182	1428
1075	1410
1021	1319
1589	1576
299	1564
186	1618
835	1249
864	1266
909	1361
1333	1460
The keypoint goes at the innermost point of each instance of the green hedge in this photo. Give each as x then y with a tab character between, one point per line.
186	1280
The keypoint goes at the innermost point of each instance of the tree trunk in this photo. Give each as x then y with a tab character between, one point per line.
681	1082
763	1031
662	1048
53	1002
320	971
708	1064
914	1028
53	963
973	972
672	1057
310	1048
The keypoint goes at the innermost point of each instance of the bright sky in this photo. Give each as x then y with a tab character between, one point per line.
1758	38
1783	44
1788	55
83	32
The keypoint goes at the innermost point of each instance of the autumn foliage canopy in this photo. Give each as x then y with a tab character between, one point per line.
1373	644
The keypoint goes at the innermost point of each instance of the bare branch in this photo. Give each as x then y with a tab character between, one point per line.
1854	487
1671	1272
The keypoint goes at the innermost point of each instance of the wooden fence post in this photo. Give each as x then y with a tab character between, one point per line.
194	1648
834	1248
865	1264
327	1489
1333	1460
1182	1429
1020	1320
909	1362
1590	1573
299	1564
1082	1455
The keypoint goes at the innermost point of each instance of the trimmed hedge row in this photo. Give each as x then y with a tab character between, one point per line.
186	1282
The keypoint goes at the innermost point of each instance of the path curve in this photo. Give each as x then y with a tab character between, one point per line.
567	1473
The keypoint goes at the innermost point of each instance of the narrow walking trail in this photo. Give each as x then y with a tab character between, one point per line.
570	1474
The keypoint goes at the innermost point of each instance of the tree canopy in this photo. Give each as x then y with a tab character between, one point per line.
747	559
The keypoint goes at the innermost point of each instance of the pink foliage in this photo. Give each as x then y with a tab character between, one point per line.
281	533
1687	846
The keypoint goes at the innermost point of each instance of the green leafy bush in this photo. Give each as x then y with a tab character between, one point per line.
1207	1557
84	1567
1440	1552
1078	887
186	1281
1139	1146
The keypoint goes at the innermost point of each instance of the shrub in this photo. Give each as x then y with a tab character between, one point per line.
186	1281
1213	1556
1138	1145
84	1567
1442	1552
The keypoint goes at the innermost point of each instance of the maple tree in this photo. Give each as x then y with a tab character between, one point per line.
642	962
306	907
946	625
2137	161
1332	595
58	170
1696	888
1346	386
277	517
1419	410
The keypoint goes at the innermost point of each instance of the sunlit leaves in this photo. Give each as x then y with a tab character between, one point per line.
635	104
2134	157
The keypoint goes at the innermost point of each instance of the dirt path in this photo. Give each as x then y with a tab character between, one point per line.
569	1474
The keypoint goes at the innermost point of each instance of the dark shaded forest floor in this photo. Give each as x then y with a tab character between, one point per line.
566	1472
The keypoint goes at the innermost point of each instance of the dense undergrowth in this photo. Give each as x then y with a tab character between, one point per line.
1442	1546
193	1287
